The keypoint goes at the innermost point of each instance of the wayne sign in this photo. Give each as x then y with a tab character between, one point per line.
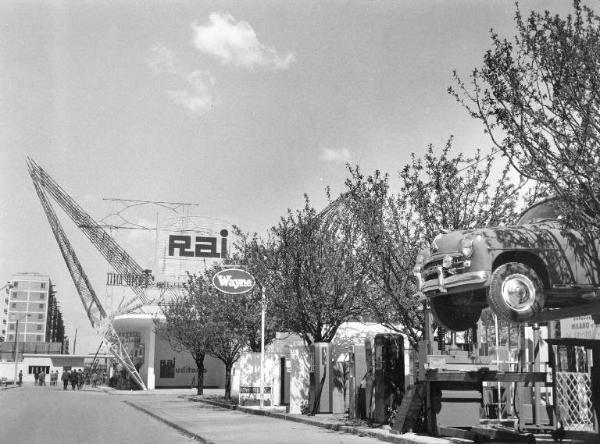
233	281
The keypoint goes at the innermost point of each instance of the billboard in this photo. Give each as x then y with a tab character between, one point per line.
190	244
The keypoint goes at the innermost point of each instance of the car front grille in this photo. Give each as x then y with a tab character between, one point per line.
430	269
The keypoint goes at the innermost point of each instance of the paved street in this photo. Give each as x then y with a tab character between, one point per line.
43	415
36	415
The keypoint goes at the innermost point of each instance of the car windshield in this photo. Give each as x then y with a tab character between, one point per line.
543	211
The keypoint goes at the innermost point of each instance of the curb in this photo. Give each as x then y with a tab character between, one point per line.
169	423
334	427
8	387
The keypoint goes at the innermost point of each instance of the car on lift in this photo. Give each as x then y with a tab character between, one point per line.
536	266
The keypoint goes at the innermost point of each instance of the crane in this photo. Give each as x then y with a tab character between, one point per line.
114	254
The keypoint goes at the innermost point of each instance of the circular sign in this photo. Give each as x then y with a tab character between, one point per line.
233	281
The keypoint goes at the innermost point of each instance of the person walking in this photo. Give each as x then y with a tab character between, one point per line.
42	378
20	377
79	379
65	379
35	377
94	379
73	379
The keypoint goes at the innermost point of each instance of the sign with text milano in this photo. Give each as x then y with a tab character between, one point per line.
582	327
233	281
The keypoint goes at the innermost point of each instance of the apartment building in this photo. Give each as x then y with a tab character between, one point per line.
32	311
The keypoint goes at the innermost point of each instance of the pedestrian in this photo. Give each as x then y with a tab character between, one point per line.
42	378
35	377
79	379
94	379
65	379
20	377
73	379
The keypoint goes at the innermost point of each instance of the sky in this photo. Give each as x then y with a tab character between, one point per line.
239	107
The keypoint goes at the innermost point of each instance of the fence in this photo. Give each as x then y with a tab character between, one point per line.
574	401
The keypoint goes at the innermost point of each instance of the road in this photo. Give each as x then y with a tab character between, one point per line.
47	415
36	415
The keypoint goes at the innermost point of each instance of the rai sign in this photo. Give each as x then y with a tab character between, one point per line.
233	281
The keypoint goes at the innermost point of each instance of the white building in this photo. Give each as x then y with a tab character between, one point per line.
27	308
160	365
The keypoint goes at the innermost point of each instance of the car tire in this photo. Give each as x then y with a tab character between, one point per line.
452	314
516	293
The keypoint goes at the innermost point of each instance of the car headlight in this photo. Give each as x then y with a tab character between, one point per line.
466	247
447	261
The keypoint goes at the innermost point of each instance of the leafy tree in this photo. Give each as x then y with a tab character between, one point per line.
437	193
310	268
205	321
227	324
538	97
251	253
455	193
187	325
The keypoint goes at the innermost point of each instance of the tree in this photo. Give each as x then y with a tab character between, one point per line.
230	323
187	325
437	193
538	98
251	253
390	245
310	266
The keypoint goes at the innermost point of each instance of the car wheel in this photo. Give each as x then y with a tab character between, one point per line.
516	293
453	313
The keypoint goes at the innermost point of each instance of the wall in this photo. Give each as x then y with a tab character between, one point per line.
55	362
184	372
247	374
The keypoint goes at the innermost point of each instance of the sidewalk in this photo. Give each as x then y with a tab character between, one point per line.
206	419
335	422
184	411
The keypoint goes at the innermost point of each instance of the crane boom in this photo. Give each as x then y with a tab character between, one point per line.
94	310
114	254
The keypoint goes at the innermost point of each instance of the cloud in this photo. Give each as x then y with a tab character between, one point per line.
235	43
200	96
163	61
338	156
196	92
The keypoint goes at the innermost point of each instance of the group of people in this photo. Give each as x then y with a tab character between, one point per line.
77	378
74	377
40	377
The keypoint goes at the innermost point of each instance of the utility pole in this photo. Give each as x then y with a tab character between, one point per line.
75	341
16	352
262	348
